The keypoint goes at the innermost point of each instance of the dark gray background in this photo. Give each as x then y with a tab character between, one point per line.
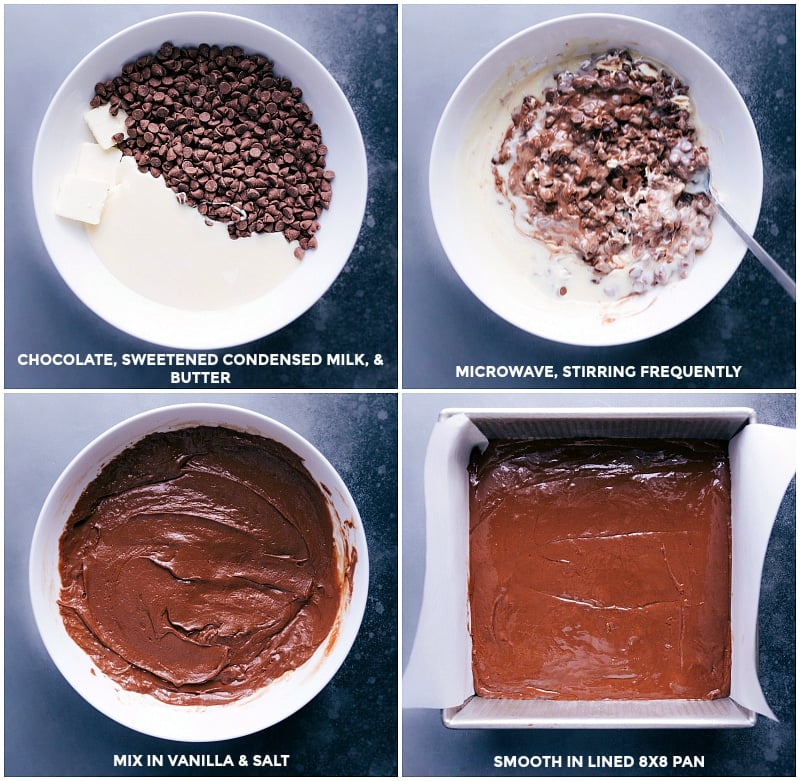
768	749
751	323
358	314
348	729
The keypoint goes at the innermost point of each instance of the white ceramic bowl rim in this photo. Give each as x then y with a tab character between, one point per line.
736	166
107	296
144	713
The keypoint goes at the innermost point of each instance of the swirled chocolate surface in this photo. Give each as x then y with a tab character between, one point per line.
200	565
600	569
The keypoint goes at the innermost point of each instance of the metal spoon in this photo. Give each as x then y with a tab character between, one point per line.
701	183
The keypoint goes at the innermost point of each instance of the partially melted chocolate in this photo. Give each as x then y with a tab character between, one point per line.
600	165
600	569
200	565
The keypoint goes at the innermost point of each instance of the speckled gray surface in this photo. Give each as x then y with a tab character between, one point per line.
349	729
768	749
751	323
358	314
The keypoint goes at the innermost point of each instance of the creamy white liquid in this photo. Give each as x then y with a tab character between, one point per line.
166	252
547	277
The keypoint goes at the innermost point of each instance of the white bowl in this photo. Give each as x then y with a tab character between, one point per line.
142	712
725	127
63	129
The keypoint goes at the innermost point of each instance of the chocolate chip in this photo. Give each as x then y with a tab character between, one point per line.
605	138
238	131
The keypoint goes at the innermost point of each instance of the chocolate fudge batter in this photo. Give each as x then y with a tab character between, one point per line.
200	565
600	569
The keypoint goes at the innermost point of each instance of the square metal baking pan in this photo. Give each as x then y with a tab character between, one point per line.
485	713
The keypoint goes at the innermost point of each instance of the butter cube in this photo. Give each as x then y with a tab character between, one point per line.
81	199
104	126
99	164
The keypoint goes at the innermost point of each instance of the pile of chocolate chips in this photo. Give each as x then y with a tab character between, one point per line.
229	136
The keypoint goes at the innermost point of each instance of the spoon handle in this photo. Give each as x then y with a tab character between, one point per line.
784	280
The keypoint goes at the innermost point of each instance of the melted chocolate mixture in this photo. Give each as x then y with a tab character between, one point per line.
200	565
600	569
